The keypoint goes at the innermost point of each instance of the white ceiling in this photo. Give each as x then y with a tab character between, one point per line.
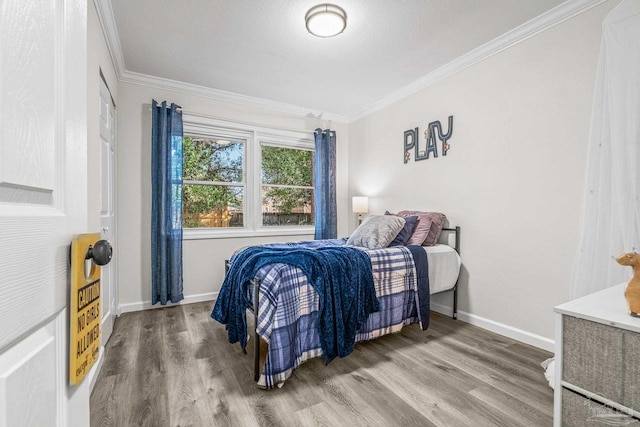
261	49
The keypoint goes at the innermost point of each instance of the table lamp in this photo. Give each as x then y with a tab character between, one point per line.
360	205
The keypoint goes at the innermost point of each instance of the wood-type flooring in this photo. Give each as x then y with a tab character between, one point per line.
174	367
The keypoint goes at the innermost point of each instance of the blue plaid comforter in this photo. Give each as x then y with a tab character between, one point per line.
288	310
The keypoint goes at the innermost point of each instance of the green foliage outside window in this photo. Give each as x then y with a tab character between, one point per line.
287	166
217	161
212	167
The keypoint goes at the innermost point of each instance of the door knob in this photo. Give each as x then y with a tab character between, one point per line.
105	229
101	252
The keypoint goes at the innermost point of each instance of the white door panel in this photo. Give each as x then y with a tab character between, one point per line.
28	89
30	370
42	203
32	209
107	209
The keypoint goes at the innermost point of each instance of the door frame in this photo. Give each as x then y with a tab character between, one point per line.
113	308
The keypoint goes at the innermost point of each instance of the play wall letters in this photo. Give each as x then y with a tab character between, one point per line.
432	133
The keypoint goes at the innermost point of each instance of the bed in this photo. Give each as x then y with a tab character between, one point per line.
287	315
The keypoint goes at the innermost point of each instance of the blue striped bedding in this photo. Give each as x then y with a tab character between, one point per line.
288	310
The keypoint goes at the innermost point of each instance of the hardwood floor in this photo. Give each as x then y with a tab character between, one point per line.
174	367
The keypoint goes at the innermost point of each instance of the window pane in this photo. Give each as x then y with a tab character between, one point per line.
287	206
212	206
212	159
287	166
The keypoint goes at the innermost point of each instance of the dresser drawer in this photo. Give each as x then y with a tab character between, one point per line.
578	411
602	359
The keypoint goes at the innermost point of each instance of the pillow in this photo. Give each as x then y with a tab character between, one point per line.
405	234
429	227
377	231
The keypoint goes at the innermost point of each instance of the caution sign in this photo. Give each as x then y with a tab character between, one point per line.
84	309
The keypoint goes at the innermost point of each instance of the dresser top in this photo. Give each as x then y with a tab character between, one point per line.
607	306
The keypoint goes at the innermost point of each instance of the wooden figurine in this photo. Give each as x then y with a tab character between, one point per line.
632	290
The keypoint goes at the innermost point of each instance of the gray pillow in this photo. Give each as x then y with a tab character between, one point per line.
377	231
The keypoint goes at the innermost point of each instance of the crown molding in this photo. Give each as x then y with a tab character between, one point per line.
555	16
224	96
110	31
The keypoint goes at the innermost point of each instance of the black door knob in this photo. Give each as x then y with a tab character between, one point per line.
101	252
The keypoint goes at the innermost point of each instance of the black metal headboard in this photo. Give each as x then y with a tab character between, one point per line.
456	230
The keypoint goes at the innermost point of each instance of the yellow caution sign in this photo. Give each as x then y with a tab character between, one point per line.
84	308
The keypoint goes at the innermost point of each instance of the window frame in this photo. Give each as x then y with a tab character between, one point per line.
218	133
254	137
281	142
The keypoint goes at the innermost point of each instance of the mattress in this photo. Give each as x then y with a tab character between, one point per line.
444	267
289	306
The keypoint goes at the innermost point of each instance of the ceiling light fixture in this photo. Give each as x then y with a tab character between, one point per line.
326	20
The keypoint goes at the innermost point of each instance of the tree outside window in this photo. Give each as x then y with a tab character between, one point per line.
287	186
215	184
213	189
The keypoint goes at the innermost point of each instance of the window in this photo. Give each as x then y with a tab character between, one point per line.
213	182
241	180
287	186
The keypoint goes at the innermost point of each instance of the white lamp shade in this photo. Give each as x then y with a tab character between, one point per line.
360	204
326	20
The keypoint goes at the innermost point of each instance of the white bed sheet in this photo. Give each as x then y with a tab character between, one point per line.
444	267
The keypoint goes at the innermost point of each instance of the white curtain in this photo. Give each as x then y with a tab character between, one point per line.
610	219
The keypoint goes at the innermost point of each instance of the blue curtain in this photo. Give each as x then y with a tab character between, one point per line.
325	185
166	205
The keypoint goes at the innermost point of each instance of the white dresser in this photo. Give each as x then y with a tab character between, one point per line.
597	373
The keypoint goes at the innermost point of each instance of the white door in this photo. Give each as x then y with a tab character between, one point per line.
43	203
107	209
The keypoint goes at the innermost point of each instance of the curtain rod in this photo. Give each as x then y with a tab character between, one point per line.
207	116
168	107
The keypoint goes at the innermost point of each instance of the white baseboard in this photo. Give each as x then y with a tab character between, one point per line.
490	325
146	305
499	328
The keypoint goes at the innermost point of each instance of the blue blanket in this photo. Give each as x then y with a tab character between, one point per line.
422	277
341	275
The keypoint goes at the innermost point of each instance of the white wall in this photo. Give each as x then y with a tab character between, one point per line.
203	260
513	178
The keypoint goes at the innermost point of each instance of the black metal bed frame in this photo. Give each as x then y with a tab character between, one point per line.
456	230
254	310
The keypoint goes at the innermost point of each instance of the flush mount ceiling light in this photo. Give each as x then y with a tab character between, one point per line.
326	20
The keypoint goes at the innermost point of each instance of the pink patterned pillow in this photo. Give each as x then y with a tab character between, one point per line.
428	229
